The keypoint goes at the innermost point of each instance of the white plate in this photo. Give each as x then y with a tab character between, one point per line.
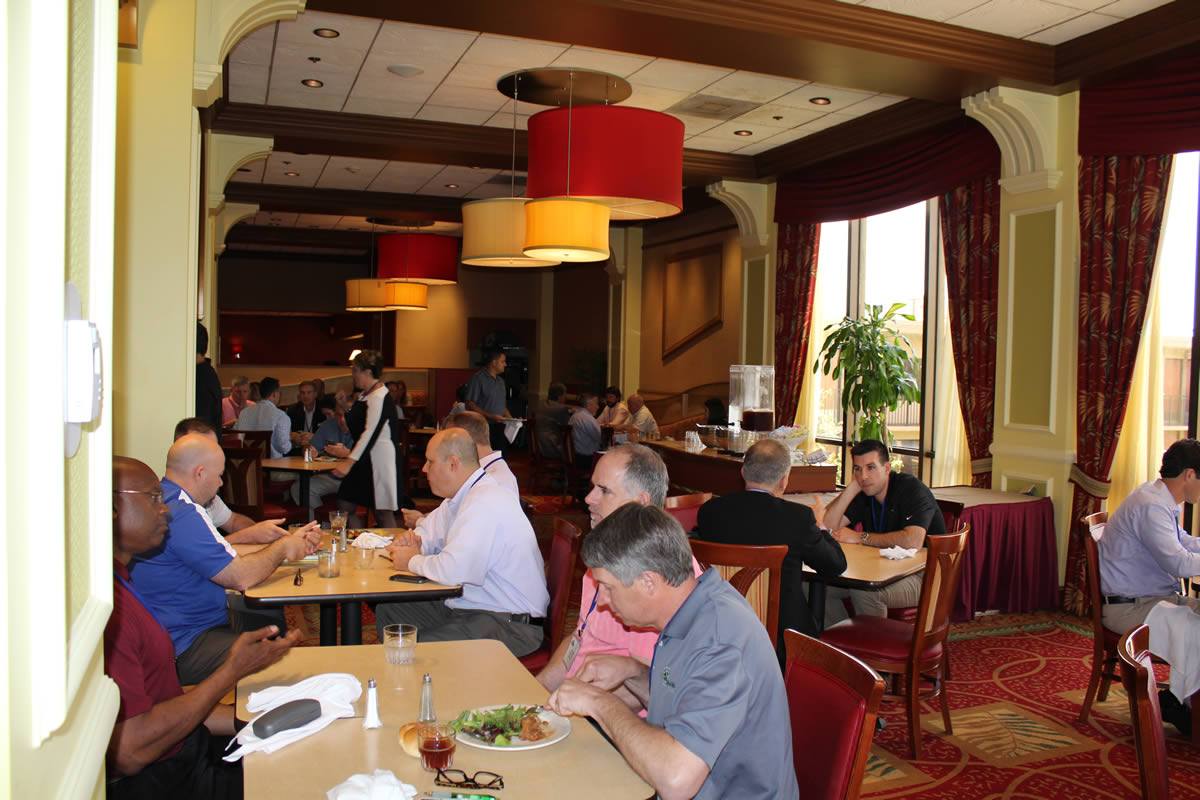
560	728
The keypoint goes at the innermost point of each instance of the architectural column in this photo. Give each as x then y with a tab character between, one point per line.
624	270
1034	440
753	206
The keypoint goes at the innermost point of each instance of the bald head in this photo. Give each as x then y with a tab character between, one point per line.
450	459
139	516
196	462
635	403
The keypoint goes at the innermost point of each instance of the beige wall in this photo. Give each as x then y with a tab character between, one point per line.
708	359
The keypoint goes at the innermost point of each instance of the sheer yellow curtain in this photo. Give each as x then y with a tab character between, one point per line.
952	456
829	306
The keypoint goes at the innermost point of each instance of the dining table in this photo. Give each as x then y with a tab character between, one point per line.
304	470
298	583
865	569
464	675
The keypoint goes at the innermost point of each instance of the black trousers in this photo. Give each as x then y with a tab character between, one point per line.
194	773
496	434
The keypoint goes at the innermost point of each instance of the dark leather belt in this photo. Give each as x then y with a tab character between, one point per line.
528	620
1116	600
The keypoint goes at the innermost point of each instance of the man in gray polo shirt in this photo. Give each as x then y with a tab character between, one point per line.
717	723
487	394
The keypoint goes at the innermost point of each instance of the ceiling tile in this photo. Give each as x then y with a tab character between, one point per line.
383	85
248	84
476	76
319	102
342	172
939	10
308	169
678	75
462	97
356	32
1084	5
255	49
693	125
788	116
622	64
870	105
464	116
839	98
1073	28
403	177
716	144
1131	8
654	98
503	119
751	86
276	219
484	190
1014	17
324	221
467	179
379	107
512	52
251	172
825	122
421	44
771	142
297	57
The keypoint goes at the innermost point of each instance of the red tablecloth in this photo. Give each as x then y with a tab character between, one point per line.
1011	563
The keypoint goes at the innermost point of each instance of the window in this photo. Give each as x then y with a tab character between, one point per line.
1178	267
888	258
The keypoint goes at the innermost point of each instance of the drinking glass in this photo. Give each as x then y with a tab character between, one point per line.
328	563
436	745
364	557
399	643
337	527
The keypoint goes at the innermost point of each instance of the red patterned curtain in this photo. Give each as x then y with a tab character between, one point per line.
970	217
1121	203
795	282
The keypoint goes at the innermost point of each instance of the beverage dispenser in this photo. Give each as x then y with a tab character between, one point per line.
752	397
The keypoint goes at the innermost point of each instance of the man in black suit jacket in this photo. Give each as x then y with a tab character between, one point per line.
306	417
760	516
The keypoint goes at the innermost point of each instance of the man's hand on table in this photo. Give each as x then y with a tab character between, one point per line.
609	672
847	536
403	547
296	547
263	532
576	698
254	650
337	450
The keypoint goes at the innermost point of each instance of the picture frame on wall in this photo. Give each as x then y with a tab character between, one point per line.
692	297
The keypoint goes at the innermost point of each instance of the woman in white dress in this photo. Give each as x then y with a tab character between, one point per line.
371	480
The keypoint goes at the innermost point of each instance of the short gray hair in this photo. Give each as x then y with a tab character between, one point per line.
636	539
473	423
240	380
766	463
644	471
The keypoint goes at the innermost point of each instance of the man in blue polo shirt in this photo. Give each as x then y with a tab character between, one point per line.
183	582
717	720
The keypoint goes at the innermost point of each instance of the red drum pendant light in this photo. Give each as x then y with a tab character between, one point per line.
418	258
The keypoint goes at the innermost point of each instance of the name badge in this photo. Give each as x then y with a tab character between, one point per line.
572	651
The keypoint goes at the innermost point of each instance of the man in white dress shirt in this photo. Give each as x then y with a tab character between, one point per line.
641	421
615	413
478	538
266	415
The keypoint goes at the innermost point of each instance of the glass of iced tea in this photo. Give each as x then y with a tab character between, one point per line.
437	746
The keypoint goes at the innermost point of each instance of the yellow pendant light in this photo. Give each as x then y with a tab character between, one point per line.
370	294
494	234
566	229
408	296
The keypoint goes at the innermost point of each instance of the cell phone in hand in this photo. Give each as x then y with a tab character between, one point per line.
402	578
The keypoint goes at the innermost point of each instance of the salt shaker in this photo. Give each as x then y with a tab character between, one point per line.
427	714
371	714
307	455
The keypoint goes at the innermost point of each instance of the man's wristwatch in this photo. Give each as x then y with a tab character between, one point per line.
866	538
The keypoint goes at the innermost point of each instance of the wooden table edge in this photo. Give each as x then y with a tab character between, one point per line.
433	593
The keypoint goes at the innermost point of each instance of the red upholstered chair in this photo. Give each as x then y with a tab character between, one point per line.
1104	641
833	700
915	650
560	574
686	508
242	487
752	560
1137	675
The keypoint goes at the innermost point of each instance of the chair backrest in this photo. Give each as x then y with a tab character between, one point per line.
686	508
1091	555
951	513
742	566
260	439
560	575
833	700
569	445
1137	676
242	482
939	590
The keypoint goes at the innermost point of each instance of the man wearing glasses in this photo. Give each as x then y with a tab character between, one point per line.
160	744
717	722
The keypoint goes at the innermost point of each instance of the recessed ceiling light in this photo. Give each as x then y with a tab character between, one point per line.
451	185
743	133
313	83
820	101
326	33
292	174
244	169
405	70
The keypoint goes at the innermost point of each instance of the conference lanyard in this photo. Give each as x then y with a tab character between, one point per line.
493	461
882	518
588	615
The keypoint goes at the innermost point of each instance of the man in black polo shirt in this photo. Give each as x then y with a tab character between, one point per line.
894	509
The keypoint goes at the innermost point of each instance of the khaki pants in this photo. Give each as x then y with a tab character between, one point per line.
903	593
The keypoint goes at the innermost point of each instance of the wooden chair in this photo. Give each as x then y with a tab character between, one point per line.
1104	641
276	491
560	575
915	650
1137	675
686	508
242	487
742	565
842	694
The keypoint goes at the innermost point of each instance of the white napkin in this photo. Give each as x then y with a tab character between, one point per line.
336	691
373	540
897	553
382	785
511	428
1171	626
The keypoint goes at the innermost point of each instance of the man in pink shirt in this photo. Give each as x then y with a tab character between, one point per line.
629	473
237	401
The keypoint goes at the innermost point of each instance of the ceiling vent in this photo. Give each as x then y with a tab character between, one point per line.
712	107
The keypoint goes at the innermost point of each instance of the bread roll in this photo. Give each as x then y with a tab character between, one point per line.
410	739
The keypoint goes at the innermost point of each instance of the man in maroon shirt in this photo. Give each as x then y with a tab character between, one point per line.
160	745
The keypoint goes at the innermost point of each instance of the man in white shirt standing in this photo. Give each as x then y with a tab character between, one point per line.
478	538
266	415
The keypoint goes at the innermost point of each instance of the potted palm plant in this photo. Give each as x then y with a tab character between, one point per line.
875	363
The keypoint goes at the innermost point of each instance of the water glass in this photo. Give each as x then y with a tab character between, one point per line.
364	557
337	527
400	643
328	563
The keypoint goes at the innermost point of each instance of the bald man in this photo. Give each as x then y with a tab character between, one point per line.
641	421
479	538
160	743
183	582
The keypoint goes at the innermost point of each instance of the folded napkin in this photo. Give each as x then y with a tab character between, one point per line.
511	428
369	539
1171	628
336	692
898	553
382	785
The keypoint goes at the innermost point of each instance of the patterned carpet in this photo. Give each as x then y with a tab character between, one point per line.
1018	685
